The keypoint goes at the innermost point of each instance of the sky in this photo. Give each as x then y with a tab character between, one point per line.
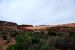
37	12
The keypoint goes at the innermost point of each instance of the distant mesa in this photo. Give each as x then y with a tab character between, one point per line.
69	25
26	25
8	23
5	25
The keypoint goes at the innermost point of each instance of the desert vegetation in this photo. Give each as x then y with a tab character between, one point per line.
53	40
28	37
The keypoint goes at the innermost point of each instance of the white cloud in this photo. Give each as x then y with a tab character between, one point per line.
38	11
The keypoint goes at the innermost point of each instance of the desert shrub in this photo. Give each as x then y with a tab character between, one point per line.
72	33
4	37
40	41
52	33
62	43
30	41
13	34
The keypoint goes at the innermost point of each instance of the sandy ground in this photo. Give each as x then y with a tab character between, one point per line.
4	44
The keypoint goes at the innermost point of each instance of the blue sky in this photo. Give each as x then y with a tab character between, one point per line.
38	11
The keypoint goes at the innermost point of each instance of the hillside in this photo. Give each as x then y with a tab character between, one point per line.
69	25
10	32
7	29
46	27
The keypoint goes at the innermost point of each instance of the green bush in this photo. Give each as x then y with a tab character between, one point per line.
30	41
40	41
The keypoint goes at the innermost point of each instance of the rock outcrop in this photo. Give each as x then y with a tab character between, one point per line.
24	27
6	31
8	26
